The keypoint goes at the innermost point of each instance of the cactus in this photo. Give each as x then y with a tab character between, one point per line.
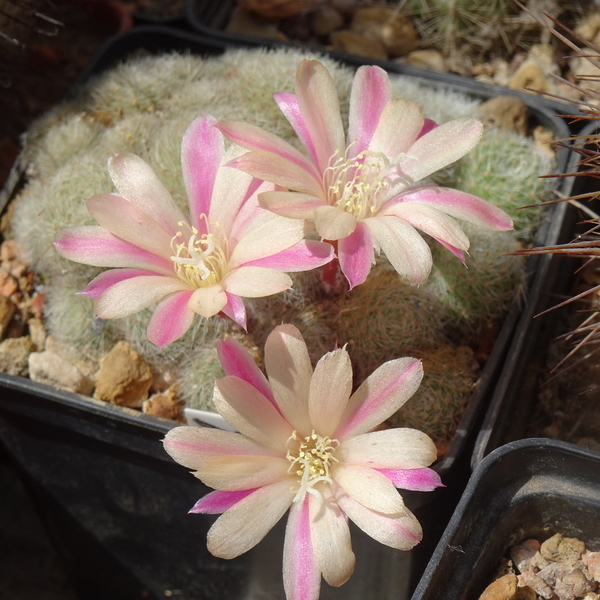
505	169
143	107
446	388
481	290
385	318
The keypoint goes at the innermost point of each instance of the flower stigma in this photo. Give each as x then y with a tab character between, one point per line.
200	262
311	459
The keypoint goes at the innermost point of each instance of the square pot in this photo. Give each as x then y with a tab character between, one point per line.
531	488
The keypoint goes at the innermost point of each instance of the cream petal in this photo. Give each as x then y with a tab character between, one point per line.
246	409
330	388
388	449
256	282
289	369
318	102
331	541
277	169
404	247
136	181
201	153
333	223
430	220
193	446
292	205
132	295
401	531
371	90
268	235
380	396
247	522
128	222
208	301
369	487
399	126
233	473
439	148
301	574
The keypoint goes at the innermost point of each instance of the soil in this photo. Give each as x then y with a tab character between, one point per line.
559	568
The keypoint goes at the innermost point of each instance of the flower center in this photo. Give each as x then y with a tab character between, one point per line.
200	261
311	459
357	185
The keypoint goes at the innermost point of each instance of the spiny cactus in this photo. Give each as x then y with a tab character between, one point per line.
385	318
505	168
482	289
123	111
446	388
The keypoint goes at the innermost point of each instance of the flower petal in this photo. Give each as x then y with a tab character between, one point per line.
246	409
257	139
232	192
404	247
95	246
330	537
333	223
431	221
371	91
132	295
301	575
247	522
218	502
277	169
231	473
208	301
318	103
292	205
236	360
421	480
256	282
461	206
235	310
401	531
107	279
128	222
171	319
268	235
136	181
356	255
288	105
303	256
389	449
369	487
201	153
399	126
289	369
330	388
380	396
439	148
193	446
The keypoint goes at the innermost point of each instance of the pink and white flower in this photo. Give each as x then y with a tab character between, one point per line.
227	248
307	444
362	190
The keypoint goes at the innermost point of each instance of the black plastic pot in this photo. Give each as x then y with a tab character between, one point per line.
211	18
532	488
103	479
513	402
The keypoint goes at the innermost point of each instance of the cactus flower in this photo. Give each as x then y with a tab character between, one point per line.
205	263
307	444
361	190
